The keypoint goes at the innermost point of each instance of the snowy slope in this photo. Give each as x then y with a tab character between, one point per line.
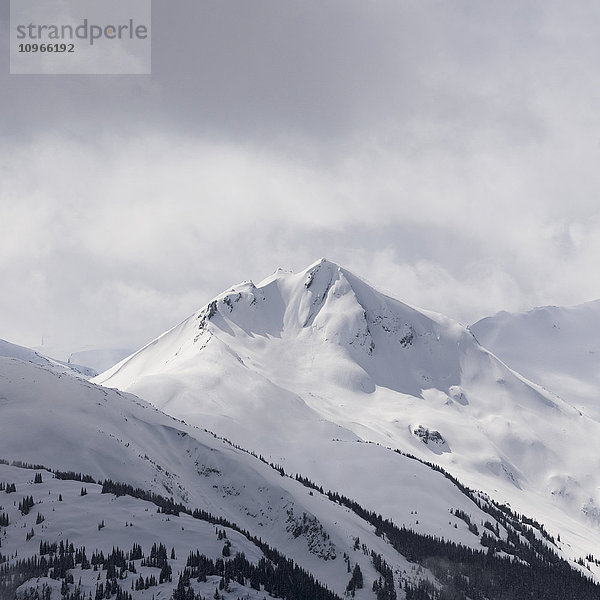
70	517
99	359
557	347
73	425
303	366
92	358
106	433
26	354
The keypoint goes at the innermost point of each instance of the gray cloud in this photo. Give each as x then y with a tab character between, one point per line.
445	151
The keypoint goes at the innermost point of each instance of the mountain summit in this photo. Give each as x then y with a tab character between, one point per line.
304	367
384	342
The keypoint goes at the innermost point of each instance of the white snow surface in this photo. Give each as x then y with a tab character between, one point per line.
72	424
557	347
305	367
9	350
73	518
99	359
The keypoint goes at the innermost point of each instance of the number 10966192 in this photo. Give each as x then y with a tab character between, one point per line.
58	48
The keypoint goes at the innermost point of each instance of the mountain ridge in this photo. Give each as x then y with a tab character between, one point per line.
290	365
10	350
310	410
128	439
553	346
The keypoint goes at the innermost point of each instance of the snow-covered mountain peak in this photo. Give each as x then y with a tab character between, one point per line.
294	345
328	298
323	322
303	366
322	375
327	312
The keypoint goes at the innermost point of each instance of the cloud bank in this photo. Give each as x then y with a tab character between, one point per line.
446	152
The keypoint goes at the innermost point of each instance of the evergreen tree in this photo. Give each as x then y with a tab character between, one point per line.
26	504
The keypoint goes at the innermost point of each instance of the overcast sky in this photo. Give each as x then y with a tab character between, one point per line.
448	152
